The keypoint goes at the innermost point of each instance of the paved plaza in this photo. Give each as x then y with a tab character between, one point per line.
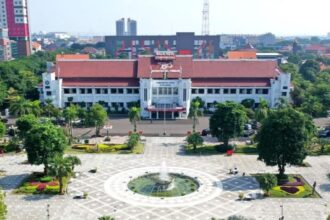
106	196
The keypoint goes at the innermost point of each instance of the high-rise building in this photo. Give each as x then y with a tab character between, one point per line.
16	19
120	27
131	27
5	47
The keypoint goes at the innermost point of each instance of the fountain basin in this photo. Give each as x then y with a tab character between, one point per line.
151	185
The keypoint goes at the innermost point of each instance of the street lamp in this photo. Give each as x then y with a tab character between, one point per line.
282	213
107	128
48	214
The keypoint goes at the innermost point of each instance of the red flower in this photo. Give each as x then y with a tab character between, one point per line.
53	183
41	186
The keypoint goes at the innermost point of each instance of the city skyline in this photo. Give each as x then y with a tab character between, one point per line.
225	17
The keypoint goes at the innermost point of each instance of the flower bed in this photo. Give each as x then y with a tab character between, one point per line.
36	183
103	148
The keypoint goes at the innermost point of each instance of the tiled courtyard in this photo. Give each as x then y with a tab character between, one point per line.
215	204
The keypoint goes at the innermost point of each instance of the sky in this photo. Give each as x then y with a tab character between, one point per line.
159	17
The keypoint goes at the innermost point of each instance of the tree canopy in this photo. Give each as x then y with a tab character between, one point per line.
43	142
228	121
97	116
283	138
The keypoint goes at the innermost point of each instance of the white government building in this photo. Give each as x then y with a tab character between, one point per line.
163	83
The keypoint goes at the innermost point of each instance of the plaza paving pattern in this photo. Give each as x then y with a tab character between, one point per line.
99	203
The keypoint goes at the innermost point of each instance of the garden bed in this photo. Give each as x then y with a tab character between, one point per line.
295	187
219	149
38	183
106	148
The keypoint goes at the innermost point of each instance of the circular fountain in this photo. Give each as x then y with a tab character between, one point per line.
163	184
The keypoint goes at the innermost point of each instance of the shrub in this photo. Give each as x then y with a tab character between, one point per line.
106	218
52	189
241	196
46	179
27	189
267	181
3	207
133	140
41	186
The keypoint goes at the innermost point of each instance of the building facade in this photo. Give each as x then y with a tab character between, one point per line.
131	27
16	19
5	46
120	27
184	43
164	84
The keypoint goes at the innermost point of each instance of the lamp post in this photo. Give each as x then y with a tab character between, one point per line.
107	128
282	213
164	121
48	213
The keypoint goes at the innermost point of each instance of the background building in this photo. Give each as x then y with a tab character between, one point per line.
15	18
131	27
184	43
5	47
120	27
129	30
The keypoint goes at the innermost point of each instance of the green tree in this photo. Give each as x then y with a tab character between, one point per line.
98	117
74	161
25	123
20	106
267	182
228	121
2	129
43	142
283	138
248	103
49	110
70	114
262	111
194	113
134	116
3	207
200	100
61	168
309	69
133	140
3	92
195	140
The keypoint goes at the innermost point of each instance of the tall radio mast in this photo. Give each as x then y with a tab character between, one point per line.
206	18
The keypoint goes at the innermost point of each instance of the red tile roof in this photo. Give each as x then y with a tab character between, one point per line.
230	82
96	68
100	82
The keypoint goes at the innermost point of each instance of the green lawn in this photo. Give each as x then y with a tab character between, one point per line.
304	191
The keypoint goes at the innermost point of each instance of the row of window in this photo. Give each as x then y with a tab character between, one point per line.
90	104
165	91
230	91
101	91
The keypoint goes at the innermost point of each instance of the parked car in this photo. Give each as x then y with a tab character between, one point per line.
256	125
248	133
205	132
247	127
324	133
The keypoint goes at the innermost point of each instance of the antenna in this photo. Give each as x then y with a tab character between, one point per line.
206	18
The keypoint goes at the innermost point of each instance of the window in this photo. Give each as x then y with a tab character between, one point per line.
89	91
74	91
136	91
82	91
216	91
105	91
248	91
184	95
160	91
225	91
284	93
154	91
194	91
175	91
242	91
66	91
129	91
209	91
121	91
113	91
285	87
232	91
265	91
47	87
145	95
98	91
169	91
48	93
258	91
200	91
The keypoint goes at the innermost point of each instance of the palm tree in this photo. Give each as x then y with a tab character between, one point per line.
134	116
194	113
70	114
20	106
106	218
74	160
60	167
262	111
